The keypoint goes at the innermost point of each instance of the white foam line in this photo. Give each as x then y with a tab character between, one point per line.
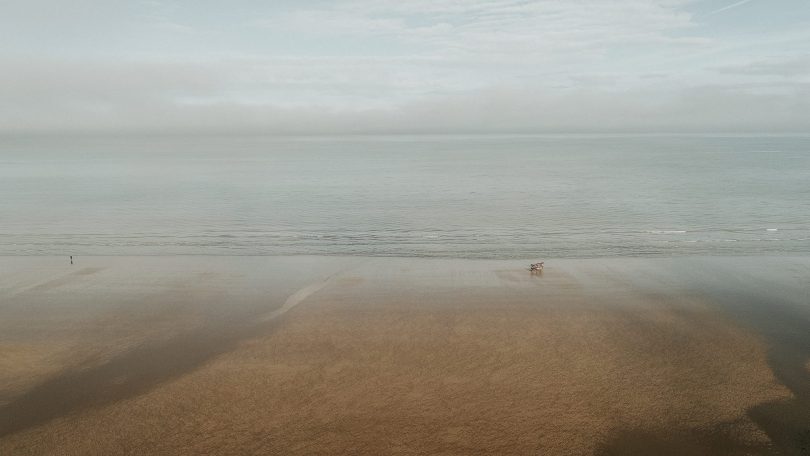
300	296
297	298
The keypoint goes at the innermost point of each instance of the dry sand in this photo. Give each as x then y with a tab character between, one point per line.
306	355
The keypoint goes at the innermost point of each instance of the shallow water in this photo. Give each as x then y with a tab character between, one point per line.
466	197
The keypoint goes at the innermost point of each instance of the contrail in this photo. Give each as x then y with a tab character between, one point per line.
726	8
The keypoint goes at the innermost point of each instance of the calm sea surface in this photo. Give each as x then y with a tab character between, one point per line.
469	197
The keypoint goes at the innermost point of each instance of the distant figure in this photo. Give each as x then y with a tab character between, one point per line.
71	259
536	267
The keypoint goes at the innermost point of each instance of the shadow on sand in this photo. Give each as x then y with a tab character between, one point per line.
125	376
721	439
787	331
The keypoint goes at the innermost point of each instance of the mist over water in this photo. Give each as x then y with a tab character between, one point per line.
467	197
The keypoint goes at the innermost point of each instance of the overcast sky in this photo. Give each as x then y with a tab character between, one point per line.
353	66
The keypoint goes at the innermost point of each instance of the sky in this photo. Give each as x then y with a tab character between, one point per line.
407	66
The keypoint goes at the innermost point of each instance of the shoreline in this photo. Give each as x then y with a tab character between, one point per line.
798	255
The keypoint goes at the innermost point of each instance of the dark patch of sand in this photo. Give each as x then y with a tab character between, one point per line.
780	315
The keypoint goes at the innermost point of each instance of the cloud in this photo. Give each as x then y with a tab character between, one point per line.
171	97
506	29
790	67
382	65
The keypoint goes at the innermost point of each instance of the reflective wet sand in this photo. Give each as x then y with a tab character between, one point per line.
326	355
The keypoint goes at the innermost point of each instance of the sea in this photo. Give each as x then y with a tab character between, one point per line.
474	196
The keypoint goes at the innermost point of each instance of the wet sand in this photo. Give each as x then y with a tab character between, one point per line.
314	355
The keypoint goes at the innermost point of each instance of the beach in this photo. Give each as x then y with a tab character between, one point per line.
362	355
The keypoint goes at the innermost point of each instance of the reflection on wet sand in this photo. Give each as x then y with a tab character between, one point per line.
782	318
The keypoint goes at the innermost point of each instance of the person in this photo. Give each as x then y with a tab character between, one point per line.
71	259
